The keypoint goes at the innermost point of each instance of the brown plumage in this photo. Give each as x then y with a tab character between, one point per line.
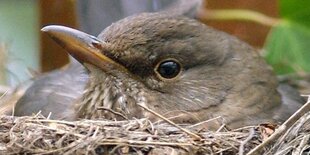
175	66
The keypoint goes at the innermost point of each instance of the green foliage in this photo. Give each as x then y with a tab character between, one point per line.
288	48
296	10
288	44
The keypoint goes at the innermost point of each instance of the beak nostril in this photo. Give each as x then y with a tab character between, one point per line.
97	44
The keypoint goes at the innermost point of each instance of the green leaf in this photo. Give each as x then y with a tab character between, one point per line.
296	10
288	48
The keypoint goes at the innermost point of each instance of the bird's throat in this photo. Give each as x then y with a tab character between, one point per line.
110	97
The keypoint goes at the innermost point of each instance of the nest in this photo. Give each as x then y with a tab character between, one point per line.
39	135
42	136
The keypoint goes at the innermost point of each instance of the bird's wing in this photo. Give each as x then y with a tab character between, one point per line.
291	102
54	92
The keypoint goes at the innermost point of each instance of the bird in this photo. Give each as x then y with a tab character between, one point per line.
174	65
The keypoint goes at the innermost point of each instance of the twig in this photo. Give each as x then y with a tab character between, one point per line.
302	144
3	94
4	89
96	132
220	151
193	135
308	96
226	141
283	128
237	14
37	114
82	123
241	147
221	128
53	121
112	111
49	115
284	151
203	122
137	142
243	128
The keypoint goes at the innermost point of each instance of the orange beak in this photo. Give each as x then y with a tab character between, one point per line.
84	47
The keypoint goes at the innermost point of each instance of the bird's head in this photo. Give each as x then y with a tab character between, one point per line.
174	65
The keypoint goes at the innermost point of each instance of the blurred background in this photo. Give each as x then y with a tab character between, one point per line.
25	52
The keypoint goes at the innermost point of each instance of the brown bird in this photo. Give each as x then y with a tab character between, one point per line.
173	65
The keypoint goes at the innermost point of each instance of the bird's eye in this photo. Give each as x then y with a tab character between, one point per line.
168	69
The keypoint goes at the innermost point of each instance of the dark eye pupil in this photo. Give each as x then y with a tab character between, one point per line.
169	69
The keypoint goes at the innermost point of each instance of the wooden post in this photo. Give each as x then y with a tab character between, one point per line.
253	33
62	12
